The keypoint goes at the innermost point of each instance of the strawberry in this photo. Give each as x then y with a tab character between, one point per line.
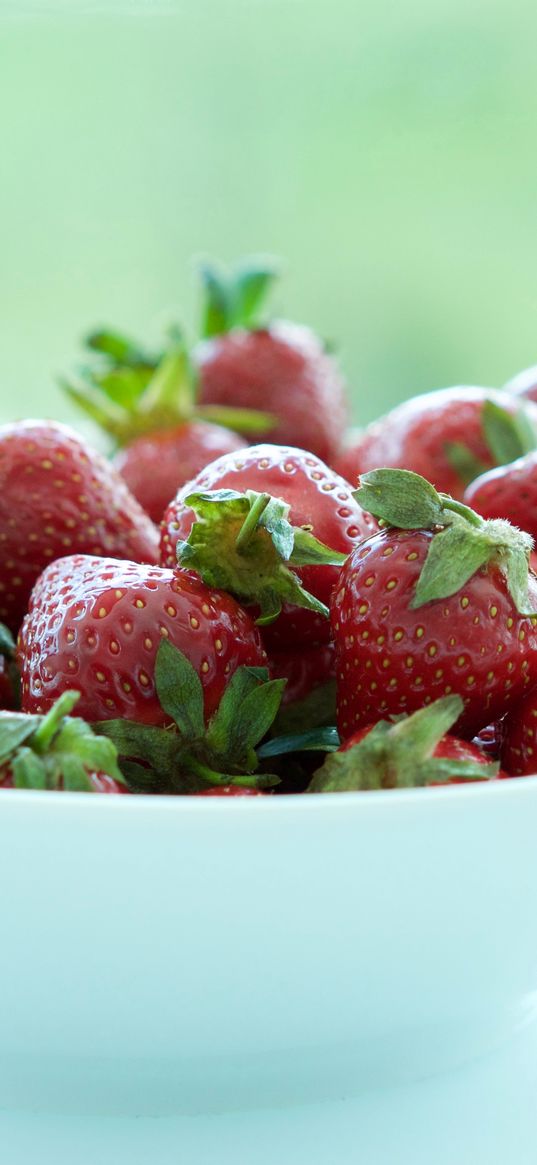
155	465
519	730
280	366
524	383
414	751
9	676
94	625
147	406
194	753
510	492
309	698
240	539
439	602
449	437
56	751
58	496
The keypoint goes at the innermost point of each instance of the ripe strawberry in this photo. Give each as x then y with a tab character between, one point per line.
440	602
58	496
524	383
239	538
56	751
510	492
519	750
155	465
147	405
416	750
281	366
449	437
94	625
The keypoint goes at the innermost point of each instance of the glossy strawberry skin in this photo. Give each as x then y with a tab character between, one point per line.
155	465
100	782
392	660
94	626
519	750
319	500
414	435
284	370
449	748
509	491
57	497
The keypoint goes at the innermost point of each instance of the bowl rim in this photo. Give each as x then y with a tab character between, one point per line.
48	801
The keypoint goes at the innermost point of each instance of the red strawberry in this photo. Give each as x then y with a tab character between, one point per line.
415	750
94	625
443	606
449	437
282	367
304	670
519	751
510	492
524	383
56	751
318	503
58	496
147	405
154	466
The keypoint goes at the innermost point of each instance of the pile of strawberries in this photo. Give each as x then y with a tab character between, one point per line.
237	602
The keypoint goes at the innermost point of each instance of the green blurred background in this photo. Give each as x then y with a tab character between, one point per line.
386	150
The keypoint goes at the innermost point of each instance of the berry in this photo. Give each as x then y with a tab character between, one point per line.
445	606
94	625
58	496
509	492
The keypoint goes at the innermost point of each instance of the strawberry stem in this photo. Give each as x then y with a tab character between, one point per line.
51	722
251	522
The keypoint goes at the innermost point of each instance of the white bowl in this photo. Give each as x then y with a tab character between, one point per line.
182	955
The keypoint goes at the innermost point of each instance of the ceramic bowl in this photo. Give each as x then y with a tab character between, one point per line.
165	955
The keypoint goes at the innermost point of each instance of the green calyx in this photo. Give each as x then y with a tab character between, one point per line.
129	392
244	543
400	755
507	435
463	543
56	751
189	755
236	298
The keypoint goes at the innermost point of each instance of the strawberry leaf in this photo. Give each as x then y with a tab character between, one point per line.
400	498
56	751
235	299
242	542
400	755
315	740
180	691
508	435
119	349
452	559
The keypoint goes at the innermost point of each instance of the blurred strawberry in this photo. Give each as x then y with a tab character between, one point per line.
283	367
524	383
147	404
58	496
509	492
449	437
